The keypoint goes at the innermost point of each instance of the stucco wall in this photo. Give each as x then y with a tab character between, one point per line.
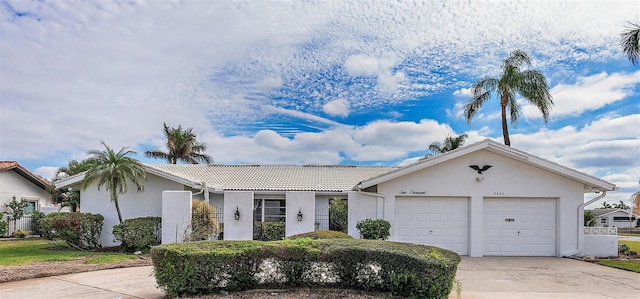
600	246
508	178
132	204
13	184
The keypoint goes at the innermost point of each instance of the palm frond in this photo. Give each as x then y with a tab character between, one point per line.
630	42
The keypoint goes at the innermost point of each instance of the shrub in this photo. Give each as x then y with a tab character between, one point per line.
4	226
402	269
338	214
374	229
139	233
322	234
269	231
21	233
36	216
203	221
78	230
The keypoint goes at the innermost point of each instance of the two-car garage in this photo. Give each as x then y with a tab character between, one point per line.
511	226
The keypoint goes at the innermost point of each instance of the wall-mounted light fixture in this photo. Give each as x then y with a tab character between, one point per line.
299	215
236	215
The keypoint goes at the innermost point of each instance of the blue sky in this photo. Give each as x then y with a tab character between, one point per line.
314	82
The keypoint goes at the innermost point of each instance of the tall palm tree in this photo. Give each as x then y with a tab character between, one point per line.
74	167
114	170
450	143
181	146
530	84
630	42
68	198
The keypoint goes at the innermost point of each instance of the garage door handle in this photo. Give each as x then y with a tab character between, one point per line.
518	233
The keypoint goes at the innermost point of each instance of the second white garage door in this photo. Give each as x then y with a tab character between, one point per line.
519	227
441	222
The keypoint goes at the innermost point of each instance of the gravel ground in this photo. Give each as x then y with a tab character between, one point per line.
44	269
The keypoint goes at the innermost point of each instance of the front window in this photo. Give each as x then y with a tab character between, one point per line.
267	210
32	206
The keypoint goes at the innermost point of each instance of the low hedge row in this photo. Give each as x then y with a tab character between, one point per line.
79	230
402	269
138	233
322	234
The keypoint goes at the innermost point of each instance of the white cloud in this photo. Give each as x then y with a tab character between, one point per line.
46	172
588	93
338	107
463	92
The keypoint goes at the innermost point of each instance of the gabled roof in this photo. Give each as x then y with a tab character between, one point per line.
591	183
273	177
605	212
25	173
259	177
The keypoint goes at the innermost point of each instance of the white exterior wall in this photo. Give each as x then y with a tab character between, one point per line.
241	229
303	201
132	204
361	207
13	184
600	245
176	216
507	178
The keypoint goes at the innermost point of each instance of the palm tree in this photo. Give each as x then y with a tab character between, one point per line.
74	167
181	146
68	198
114	170
530	84
630	42
450	143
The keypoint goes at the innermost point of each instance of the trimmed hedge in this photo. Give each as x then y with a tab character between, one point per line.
79	230
322	234
402	269
139	233
374	229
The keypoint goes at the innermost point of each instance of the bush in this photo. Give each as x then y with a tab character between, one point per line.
269	231
4	226
203	221
139	234
374	229
402	269
21	233
36	216
78	230
321	234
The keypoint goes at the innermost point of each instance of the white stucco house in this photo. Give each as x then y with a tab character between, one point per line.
485	199
615	218
17	181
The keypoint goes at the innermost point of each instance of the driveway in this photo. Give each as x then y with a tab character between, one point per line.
486	277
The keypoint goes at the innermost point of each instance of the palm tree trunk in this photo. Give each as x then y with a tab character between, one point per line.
505	129
115	200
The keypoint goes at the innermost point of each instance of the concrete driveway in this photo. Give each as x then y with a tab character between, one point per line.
487	277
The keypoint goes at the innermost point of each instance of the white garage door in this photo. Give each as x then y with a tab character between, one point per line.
441	222
519	227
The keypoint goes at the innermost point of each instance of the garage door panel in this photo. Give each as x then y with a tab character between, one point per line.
441	222
524	227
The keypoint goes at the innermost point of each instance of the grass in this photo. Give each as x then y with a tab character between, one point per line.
629	265
25	251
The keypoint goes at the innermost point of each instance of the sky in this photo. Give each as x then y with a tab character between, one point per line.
313	82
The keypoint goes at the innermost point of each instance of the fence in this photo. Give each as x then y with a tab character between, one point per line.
600	241
24	223
600	231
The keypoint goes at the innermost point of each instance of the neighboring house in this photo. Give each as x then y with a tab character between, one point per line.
17	181
522	205
614	218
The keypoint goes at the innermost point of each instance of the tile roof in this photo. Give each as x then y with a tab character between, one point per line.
24	172
274	177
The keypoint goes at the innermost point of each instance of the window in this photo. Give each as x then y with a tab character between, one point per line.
266	210
32	205
603	220
622	219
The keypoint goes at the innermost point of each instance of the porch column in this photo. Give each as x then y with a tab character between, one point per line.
176	215
305	203
241	229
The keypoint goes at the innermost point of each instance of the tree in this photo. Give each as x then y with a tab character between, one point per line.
530	84
69	198
620	205
589	218
450	143
17	209
606	205
338	214
181	146
114	170
630	42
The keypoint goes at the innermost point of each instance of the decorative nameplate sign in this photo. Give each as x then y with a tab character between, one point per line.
413	192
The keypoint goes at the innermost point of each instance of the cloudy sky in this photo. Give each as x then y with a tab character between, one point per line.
313	82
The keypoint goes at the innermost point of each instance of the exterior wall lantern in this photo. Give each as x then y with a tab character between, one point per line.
299	215
236	215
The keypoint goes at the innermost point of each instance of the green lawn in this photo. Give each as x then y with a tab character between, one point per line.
630	265
24	251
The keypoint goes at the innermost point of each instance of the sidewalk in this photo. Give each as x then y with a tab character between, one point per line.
136	282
